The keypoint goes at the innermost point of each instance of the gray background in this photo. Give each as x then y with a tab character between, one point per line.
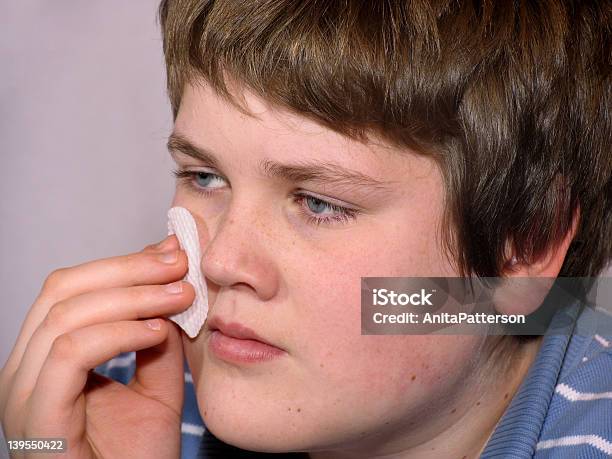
83	121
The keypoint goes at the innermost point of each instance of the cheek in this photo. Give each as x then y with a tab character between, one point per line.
328	305
337	355
402	369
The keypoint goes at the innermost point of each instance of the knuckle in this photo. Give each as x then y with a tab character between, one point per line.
55	280
141	294
56	318
63	347
117	334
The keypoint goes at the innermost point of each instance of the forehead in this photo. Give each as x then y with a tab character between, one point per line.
208	119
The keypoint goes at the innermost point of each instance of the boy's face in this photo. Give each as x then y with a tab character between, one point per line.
270	267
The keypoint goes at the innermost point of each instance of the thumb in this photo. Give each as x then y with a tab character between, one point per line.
159	372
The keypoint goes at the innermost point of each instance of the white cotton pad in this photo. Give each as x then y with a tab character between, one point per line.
181	223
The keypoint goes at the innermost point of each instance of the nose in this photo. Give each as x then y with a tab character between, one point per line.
236	254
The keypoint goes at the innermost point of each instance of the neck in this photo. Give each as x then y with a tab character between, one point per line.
462	432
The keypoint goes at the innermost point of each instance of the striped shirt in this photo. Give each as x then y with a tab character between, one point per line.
562	409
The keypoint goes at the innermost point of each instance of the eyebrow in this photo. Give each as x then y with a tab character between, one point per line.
311	171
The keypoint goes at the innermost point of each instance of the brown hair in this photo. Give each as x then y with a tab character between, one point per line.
510	97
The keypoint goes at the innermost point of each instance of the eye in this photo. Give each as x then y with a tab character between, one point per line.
200	182
318	211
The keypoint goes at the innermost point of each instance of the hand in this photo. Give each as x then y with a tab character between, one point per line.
83	316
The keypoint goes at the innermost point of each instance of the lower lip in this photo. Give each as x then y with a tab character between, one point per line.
241	350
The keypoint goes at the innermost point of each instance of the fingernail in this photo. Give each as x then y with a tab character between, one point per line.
174	287
168	257
153	324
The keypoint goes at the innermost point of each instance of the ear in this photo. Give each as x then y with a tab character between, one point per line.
524	296
549	264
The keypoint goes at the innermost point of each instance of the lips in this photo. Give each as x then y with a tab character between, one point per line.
236	343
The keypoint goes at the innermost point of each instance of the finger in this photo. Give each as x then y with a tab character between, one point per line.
138	268
160	371
100	306
121	271
64	374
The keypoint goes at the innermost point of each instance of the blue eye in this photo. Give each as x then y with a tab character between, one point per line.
319	205
199	181
208	180
315	210
315	213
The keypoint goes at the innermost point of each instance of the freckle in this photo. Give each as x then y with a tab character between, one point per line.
205	412
299	409
289	409
464	457
453	410
506	396
477	403
413	377
321	365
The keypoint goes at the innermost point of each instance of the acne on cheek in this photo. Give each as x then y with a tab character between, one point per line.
402	366
417	367
369	364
